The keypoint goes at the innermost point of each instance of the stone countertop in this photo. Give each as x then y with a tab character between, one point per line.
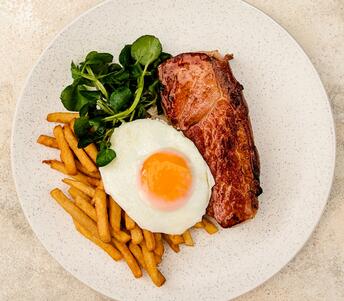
28	272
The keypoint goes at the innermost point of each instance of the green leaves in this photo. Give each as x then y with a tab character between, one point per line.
125	56
146	49
120	98
108	94
75	97
81	126
105	156
98	58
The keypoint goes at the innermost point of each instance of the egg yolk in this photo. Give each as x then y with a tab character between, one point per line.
166	177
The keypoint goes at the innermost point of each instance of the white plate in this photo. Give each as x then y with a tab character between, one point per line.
293	130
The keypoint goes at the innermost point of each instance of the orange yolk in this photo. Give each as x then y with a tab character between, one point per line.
166	176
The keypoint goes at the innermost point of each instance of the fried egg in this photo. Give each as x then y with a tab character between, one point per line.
158	176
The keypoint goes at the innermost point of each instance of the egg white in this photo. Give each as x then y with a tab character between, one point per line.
133	143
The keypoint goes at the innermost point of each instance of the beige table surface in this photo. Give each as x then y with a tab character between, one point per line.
28	272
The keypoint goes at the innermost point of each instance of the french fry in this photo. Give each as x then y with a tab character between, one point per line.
80	153
82	169
66	153
149	258
85	206
62	117
199	225
75	212
188	238
174	247
102	215
47	141
176	239
129	258
209	226
136	235
94	182
129	223
159	245
88	190
114	214
158	259
100	185
59	166
137	252
108	248
74	192
149	238
91	149
120	235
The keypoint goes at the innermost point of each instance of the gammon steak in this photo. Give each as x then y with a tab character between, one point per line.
202	98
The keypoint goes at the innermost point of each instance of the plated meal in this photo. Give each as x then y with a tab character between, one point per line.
155	146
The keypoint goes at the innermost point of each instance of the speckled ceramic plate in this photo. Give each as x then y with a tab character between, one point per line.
293	130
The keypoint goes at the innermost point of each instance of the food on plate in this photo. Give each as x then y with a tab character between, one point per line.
79	153
86	189
62	117
114	214
86	206
47	141
202	98
151	157
107	94
102	215
150	146
108	248
66	153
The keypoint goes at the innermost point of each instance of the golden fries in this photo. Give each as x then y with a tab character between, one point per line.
157	258
149	238
75	212
128	257
120	235
62	117
47	141
199	225
66	153
59	166
209	226
129	223
176	239
150	263
85	206
159	245
188	238
97	216
94	182
136	235
114	214
102	215
79	152
74	192
174	247
82	169
91	151
108	248
137	252
88	190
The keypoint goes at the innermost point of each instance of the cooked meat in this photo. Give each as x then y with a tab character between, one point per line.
201	97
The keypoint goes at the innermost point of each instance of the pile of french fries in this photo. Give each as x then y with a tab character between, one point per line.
96	215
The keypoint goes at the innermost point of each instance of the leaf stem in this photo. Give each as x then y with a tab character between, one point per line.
136	99
97	83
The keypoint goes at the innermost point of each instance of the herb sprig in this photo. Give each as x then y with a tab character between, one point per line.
107	94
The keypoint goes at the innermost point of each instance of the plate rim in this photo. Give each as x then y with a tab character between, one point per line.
320	83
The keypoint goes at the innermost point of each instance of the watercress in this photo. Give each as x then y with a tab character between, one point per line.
108	94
